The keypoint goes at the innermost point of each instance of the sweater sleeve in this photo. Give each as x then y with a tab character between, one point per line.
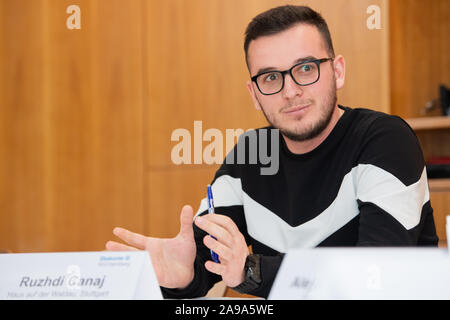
392	188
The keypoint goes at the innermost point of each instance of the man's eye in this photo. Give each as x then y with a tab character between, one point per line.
271	77
306	68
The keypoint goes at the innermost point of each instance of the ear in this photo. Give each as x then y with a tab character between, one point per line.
252	92
339	71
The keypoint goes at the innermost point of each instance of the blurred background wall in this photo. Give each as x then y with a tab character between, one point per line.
86	115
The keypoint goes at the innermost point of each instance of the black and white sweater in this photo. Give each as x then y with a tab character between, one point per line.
365	185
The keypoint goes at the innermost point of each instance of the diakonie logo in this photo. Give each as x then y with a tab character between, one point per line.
252	147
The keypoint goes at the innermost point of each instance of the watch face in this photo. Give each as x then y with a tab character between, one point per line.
252	266
252	276
250	273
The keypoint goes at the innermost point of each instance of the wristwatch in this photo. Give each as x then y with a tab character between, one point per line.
252	278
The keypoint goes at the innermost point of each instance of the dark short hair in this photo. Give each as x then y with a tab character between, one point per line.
281	18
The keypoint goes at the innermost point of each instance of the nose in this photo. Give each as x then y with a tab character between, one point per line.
291	89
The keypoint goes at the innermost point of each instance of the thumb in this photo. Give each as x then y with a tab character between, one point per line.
186	221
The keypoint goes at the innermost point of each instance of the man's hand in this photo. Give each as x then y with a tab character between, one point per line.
230	246
172	259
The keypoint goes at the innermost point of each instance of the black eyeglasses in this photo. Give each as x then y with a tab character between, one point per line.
303	74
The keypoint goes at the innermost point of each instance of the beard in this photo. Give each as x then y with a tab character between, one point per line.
306	131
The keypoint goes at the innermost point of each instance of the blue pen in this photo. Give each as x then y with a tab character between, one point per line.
209	195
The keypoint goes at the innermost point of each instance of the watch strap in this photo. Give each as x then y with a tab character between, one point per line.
252	277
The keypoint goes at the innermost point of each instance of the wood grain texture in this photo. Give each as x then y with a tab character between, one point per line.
419	50
169	191
439	185
72	124
23	204
441	206
434	143
97	130
429	123
419	63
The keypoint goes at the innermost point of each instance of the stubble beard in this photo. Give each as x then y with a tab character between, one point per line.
300	133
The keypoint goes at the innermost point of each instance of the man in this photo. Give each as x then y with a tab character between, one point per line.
346	177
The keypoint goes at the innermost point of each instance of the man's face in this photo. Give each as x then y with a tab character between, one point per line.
300	112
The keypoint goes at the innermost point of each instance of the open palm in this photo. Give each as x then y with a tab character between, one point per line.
172	259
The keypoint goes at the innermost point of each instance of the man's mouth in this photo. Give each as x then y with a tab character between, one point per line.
296	109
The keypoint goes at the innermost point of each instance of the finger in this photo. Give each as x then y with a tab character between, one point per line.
222	251
115	246
216	268
186	218
225	222
215	230
135	239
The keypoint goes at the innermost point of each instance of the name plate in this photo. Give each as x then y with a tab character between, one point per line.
78	275
363	273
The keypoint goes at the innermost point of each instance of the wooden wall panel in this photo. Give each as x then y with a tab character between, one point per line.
420	62
365	50
73	124
419	49
23	205
96	122
441	206
195	71
170	190
434	143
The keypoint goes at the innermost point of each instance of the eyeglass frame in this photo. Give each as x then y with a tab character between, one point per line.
318	62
